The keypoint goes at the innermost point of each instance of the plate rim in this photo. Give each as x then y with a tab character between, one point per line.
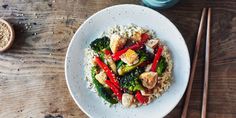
100	11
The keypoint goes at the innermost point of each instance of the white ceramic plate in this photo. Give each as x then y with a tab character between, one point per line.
92	28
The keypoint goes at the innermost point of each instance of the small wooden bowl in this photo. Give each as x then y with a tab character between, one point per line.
12	36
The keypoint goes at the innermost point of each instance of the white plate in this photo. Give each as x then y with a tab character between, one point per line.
92	28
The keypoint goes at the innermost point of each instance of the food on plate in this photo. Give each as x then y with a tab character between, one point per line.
130	57
149	79
130	65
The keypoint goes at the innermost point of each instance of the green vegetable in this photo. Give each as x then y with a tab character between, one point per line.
131	80
119	63
104	92
142	54
126	68
100	44
161	67
101	55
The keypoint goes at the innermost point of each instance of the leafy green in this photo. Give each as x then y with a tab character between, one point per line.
126	68
161	67
131	80
100	44
104	92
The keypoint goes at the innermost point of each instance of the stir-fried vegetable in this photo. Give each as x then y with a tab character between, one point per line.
126	68
104	92
107	52
100	44
109	60
112	83
141	99
116	91
144	36
116	56
156	59
131	80
161	67
107	70
119	63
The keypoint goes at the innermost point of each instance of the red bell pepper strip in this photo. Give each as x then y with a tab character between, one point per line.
116	56
116	91
141	99
108	72
107	52
144	38
156	59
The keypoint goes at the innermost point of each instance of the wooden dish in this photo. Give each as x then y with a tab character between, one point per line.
12	36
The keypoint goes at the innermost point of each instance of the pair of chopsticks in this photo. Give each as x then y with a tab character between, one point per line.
194	64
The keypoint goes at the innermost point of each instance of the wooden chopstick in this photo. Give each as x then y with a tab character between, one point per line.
194	64
206	72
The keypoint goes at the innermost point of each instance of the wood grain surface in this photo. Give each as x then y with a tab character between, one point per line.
32	81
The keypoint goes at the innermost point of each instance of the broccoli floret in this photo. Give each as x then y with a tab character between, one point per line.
126	68
100	44
104	92
131	80
142	54
161	67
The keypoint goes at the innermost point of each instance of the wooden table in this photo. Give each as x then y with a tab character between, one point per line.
32	83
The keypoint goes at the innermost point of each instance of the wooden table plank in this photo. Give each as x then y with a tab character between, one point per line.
32	80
